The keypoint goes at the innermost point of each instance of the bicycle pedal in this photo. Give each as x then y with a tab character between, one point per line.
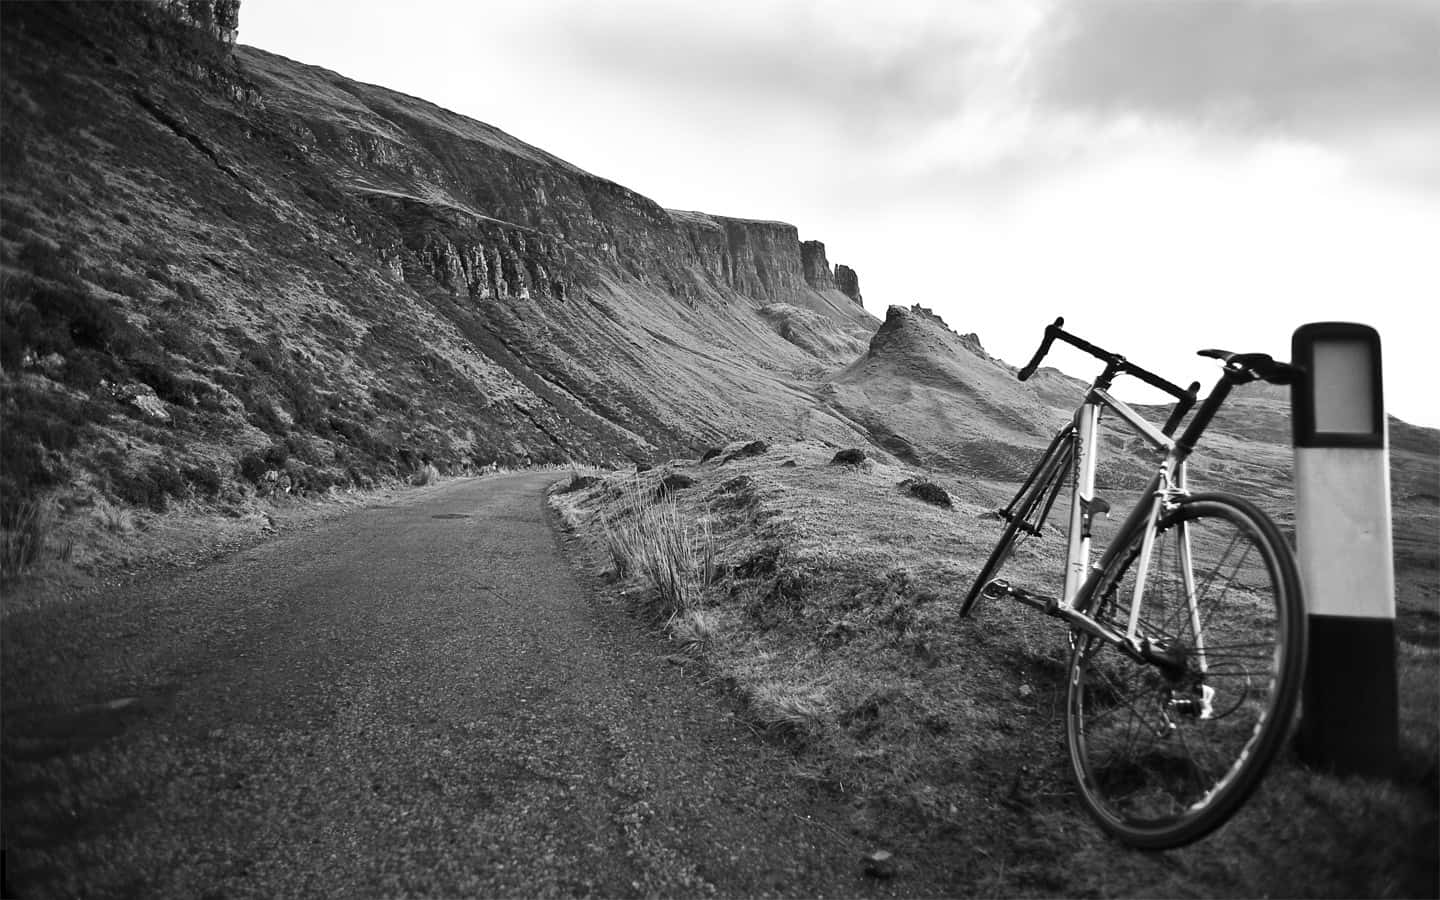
995	589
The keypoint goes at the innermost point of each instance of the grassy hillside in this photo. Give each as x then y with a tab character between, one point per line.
226	275
825	597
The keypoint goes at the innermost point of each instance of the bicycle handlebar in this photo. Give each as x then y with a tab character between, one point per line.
1114	363
1051	331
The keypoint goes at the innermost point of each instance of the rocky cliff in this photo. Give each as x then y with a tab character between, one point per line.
219	19
224	271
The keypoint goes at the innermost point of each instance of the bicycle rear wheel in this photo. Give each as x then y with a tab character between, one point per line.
1167	748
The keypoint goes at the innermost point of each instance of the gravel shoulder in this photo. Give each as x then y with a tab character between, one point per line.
419	698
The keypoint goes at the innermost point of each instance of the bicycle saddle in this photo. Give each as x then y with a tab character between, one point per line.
1260	366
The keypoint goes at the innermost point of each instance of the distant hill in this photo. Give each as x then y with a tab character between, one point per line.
933	397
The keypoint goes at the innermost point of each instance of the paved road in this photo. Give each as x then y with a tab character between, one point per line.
421	699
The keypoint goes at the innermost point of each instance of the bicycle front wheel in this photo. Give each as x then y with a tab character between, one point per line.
1026	513
1168	742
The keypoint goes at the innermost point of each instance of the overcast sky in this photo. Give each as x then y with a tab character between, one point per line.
1166	174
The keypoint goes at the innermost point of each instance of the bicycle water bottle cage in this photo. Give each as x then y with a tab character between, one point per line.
1246	367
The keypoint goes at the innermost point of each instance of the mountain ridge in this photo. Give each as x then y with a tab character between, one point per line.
258	266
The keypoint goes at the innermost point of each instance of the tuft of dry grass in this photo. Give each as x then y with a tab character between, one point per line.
30	535
24	534
783	704
656	541
114	519
695	629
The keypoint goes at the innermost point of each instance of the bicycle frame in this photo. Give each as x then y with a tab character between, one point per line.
1168	483
1165	487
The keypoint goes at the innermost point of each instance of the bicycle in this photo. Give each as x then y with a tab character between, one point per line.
1187	637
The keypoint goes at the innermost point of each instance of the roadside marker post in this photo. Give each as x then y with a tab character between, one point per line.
1350	718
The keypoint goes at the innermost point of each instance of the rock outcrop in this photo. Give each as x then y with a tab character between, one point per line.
932	397
219	19
918	332
816	267
848	283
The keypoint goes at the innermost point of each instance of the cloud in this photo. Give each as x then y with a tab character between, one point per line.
848	71
1315	68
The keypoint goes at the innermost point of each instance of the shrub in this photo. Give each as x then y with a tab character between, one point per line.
204	480
40	428
254	464
189	293
300	448
159	272
151	487
927	491
53	262
265	416
425	475
122	283
252	467
673	481
46	317
24	533
157	371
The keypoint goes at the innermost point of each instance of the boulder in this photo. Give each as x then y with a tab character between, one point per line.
927	491
754	448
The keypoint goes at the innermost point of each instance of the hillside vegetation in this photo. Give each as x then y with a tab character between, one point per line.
227	275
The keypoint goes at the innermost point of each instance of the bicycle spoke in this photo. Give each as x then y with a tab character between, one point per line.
1166	746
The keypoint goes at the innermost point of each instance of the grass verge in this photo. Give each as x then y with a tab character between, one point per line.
833	617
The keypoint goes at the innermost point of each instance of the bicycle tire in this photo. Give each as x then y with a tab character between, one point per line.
992	566
1028	510
1157	763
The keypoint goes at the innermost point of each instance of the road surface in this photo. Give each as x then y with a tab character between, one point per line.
420	699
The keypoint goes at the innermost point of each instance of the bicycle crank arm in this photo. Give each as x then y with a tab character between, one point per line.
1002	589
1051	607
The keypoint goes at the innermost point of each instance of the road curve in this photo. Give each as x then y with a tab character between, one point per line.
420	699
